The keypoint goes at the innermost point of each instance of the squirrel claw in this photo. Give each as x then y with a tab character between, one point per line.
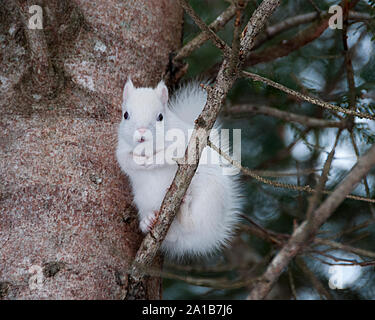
154	220
148	223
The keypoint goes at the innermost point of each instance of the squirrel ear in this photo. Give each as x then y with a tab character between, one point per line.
162	92
127	89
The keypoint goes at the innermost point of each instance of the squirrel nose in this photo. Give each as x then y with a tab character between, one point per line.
141	130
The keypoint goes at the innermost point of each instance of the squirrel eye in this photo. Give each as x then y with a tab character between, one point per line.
160	117
126	115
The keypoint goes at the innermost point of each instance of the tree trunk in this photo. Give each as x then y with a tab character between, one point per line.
67	227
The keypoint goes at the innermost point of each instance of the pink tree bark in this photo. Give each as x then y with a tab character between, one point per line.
67	228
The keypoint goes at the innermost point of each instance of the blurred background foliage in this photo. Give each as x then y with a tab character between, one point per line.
316	69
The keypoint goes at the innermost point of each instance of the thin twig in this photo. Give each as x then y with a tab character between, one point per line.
315	199
278	184
285	47
285	115
323	292
345	247
280	238
365	183
206	29
234	58
307	98
292	284
215	26
185	172
304	233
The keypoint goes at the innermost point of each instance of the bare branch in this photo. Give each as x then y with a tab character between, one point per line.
270	32
284	115
185	172
345	247
256	23
234	58
292	285
315	199
285	47
278	184
280	238
323	292
215	26
302	38
360	16
280	27
352	88
365	183
317	9
292	22
207	30
307	98
303	234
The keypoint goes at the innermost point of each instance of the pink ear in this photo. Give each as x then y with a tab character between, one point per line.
127	89
162	92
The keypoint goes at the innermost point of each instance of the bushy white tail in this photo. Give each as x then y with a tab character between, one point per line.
188	101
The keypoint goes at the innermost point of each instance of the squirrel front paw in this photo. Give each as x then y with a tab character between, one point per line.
148	222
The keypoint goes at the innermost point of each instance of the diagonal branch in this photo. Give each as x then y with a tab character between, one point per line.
289	23
206	29
201	38
305	232
235	58
365	182
285	47
256	24
284	115
302	38
352	87
307	98
315	199
172	200
279	239
277	184
323	292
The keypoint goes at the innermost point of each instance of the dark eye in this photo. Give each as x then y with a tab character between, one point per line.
126	115
160	117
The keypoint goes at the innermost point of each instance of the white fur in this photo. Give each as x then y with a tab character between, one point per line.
210	208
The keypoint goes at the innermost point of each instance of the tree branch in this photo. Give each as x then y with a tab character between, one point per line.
278	184
323	292
304	233
285	47
197	142
284	115
307	98
201	38
206	29
280	238
280	27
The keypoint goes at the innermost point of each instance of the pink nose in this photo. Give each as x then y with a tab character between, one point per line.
141	130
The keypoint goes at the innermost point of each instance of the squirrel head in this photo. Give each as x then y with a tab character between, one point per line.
143	109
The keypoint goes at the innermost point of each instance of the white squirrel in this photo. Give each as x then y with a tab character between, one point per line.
210	209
